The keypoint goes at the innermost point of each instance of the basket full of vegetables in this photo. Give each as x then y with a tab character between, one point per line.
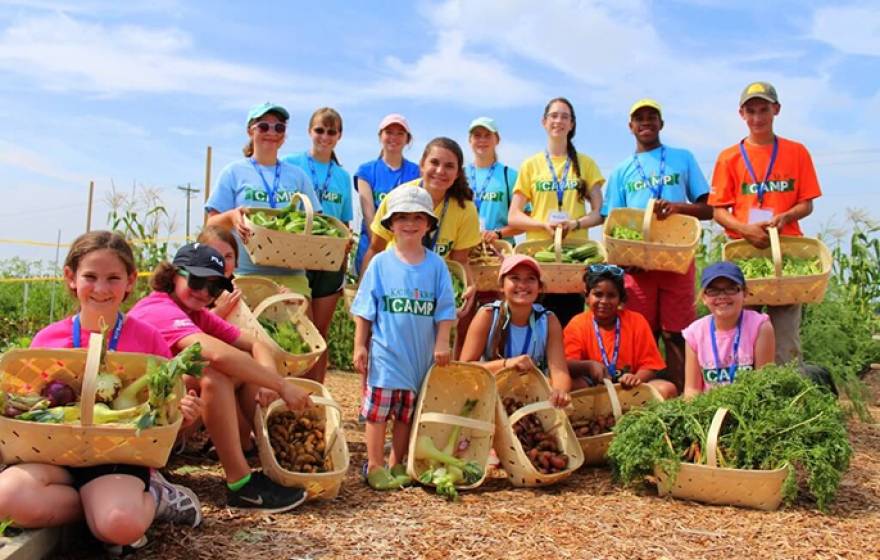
81	408
533	440
485	262
792	270
595	411
636	237
563	261
305	449
459	282
452	428
280	321
254	289
290	238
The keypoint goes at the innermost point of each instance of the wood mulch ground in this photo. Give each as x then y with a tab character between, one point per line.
586	516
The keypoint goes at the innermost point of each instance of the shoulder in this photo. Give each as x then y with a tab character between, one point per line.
634	319
754	318
579	322
156	302
729	154
410	166
366	169
792	146
231	168
586	161
535	161
411	183
679	153
696	329
291	169
298	159
49	335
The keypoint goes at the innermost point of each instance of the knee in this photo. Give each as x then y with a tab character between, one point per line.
14	497
120	523
214	382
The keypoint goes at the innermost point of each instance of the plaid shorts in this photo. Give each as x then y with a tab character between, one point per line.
380	405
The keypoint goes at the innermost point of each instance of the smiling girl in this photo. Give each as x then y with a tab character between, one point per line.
491	180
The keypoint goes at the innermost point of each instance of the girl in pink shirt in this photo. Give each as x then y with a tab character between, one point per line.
728	340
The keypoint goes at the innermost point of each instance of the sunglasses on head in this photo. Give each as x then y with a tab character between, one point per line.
196	283
264	127
602	268
328	131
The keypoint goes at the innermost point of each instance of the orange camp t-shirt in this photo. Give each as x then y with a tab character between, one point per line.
638	350
792	180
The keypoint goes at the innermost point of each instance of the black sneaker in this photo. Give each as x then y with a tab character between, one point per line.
177	504
262	493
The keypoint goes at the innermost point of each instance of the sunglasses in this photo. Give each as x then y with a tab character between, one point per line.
196	283
328	131
264	127
602	268
728	291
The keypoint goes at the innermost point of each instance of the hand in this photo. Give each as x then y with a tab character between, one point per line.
296	399
490	236
238	222
226	302
441	356
265	396
559	399
630	380
190	408
360	359
597	371
756	234
663	209
779	221
550	229
523	362
469	296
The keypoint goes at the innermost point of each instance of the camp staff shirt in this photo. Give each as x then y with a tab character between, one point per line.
637	347
682	180
404	303
535	183
792	180
494	201
336	200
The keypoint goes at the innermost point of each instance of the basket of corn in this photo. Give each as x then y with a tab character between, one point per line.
563	262
792	270
485	262
636	237
294	239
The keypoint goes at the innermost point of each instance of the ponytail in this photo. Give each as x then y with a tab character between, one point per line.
570	150
502	332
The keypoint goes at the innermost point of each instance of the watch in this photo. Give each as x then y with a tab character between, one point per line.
498	233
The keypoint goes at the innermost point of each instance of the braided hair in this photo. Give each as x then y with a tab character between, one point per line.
569	146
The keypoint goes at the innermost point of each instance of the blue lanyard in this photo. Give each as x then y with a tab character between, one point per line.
763	184
558	184
648	182
270	191
610	364
323	188
731	369
114	338
508	350
472	179
432	240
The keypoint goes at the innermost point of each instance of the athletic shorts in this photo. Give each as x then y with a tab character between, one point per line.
325	283
381	405
666	299
83	475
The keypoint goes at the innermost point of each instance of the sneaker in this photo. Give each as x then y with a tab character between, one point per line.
262	493
117	550
177	504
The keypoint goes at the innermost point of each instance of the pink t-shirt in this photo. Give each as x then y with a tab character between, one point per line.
699	340
174	323
136	336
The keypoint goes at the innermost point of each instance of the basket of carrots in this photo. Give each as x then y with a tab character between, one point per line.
563	261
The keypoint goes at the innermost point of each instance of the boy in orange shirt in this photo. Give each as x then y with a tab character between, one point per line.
767	181
607	341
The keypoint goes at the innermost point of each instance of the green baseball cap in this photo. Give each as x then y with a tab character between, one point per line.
760	90
485	122
258	111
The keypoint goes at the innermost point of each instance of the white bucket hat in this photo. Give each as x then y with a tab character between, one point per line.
409	199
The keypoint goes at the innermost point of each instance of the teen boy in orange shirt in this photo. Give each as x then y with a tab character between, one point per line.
765	181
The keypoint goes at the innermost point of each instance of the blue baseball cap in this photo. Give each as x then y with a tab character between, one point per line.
258	111
724	269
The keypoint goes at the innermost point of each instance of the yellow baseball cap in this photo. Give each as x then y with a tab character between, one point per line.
645	102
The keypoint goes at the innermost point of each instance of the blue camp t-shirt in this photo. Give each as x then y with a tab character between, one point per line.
492	193
335	197
682	180
404	302
240	184
381	179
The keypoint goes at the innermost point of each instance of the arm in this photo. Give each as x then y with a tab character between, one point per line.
517	217
232	361
231	219
441	343
227	301
797	212
594	218
365	193
588	369
699	209
765	346
693	382
560	380
756	234
377	245
362	329
476	340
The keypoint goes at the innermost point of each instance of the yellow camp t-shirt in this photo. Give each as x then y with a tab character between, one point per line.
536	184
459	228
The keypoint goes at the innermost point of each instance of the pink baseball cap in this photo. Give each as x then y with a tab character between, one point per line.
512	261
394	118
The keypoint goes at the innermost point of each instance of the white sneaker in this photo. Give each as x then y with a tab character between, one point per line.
116	550
177	504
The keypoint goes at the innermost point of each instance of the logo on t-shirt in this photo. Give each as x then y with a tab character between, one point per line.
494	196
786	185
182	324
328	196
379	197
547	186
254	194
638	185
713	376
443	248
412	302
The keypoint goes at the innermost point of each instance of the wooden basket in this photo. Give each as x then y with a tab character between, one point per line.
79	444
441	398
600	401
783	290
710	484
280	308
457	269
669	244
296	251
486	275
349	291
317	485
254	289
559	277
530	387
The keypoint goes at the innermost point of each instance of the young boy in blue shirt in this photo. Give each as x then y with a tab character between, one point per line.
404	311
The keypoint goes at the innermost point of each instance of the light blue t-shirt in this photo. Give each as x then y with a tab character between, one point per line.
240	184
493	189
682	180
404	302
519	341
382	179
336	196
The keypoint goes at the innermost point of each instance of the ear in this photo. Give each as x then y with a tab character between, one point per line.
776	108
70	278
661	124
132	280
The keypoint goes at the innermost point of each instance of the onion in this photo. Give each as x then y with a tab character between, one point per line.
59	393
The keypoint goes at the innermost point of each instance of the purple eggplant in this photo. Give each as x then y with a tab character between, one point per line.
59	393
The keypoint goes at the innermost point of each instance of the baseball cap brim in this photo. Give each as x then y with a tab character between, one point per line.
720	270
204	272
404	208
513	261
260	110
642	103
394	118
485	122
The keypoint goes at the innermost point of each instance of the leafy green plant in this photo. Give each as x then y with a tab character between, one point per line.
142	218
340	338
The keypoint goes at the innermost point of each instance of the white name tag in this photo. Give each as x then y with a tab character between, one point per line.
558	218
757	215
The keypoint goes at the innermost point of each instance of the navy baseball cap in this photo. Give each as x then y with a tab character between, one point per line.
202	261
724	269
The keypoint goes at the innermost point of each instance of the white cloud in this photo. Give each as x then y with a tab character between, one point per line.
15	156
853	29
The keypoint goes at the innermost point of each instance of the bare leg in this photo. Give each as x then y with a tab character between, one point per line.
375	435
117	508
674	344
461	328
399	442
218	393
36	496
322	313
247	406
666	389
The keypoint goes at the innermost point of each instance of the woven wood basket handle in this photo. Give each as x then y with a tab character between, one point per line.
289	297
521	413
776	250
510	375
648	219
612	396
557	243
712	437
307	208
441	418
90	379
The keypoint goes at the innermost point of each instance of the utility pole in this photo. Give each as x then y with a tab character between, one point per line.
189	194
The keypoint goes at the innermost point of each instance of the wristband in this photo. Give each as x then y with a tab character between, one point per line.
498	233
577	224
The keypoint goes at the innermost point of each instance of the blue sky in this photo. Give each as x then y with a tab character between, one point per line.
134	91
